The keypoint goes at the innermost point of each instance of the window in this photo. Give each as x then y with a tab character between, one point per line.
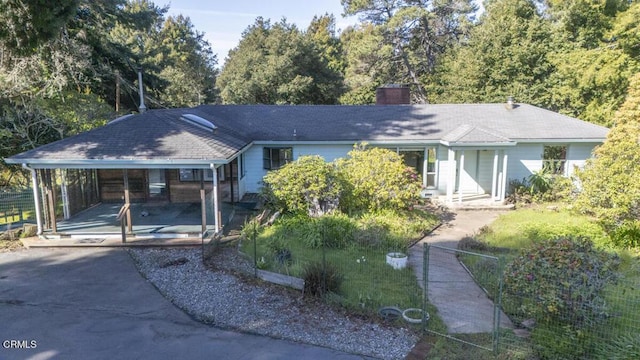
431	168
242	169
416	160
554	158
275	158
187	175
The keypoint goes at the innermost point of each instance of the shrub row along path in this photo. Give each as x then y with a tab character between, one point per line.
461	303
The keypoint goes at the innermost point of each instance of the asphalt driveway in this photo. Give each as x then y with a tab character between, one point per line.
93	304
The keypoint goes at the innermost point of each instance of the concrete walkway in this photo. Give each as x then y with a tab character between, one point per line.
93	304
461	304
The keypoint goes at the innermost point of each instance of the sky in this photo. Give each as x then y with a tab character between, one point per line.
224	21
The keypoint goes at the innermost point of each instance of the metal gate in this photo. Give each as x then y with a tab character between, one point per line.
466	290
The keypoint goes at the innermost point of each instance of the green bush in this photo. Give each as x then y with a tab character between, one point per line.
542	231
560	281
626	235
308	185
336	229
375	179
320	280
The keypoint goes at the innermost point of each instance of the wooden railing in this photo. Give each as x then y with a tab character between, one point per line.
122	218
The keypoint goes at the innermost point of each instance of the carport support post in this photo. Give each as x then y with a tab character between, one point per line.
127	200
51	200
203	206
216	219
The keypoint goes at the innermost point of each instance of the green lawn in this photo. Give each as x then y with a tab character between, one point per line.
368	281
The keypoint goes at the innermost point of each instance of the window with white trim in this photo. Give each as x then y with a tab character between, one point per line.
554	159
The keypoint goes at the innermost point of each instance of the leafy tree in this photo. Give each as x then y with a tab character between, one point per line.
367	64
505	55
626	31
322	33
589	83
277	64
29	23
583	23
414	33
376	179
190	71
308	185
611	180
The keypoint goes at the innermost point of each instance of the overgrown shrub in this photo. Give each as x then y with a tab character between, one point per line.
560	281
541	187
518	192
626	235
308	185
334	230
375	179
320	279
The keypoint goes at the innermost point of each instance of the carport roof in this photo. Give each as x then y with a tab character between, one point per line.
163	138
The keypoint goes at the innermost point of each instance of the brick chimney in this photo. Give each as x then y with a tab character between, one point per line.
393	94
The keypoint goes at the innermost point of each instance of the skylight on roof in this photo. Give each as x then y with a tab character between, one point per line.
119	119
198	121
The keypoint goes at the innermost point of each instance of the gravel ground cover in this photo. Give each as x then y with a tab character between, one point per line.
222	293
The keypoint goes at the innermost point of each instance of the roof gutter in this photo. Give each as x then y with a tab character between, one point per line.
117	164
34	185
478	144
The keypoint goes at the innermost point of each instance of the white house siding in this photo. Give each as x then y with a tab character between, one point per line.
524	159
442	168
485	171
254	165
467	175
577	155
328	152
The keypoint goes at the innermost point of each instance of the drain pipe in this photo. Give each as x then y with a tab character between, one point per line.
34	184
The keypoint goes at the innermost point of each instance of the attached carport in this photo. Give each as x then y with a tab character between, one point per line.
184	146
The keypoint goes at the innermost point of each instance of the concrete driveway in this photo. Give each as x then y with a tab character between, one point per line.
93	304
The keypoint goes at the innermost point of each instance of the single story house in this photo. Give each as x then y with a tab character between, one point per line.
179	155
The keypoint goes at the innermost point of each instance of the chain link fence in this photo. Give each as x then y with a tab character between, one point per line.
16	207
361	271
572	305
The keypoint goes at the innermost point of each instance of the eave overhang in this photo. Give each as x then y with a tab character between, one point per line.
118	163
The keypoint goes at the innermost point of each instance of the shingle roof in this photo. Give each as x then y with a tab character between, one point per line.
469	134
155	135
399	122
162	135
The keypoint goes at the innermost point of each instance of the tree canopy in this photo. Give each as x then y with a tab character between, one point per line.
611	181
61	62
279	64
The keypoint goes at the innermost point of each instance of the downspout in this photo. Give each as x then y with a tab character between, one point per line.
216	224
34	184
